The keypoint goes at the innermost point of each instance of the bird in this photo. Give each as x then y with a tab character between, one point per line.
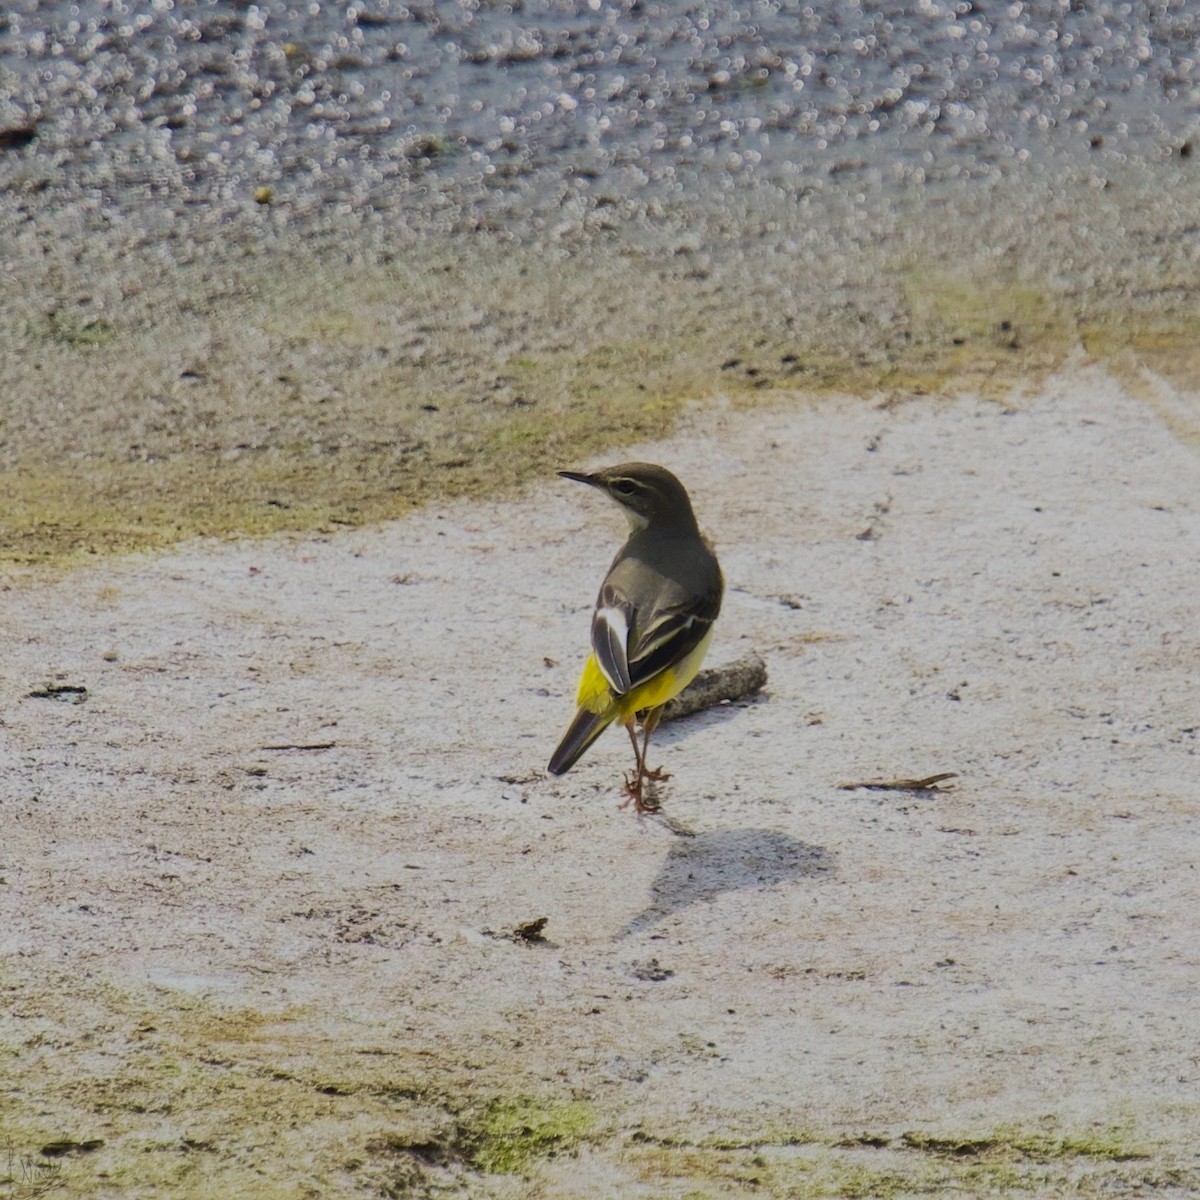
653	619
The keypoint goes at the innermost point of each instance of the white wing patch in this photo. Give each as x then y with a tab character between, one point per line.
612	623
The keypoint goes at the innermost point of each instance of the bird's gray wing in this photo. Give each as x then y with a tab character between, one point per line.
673	634
633	642
611	623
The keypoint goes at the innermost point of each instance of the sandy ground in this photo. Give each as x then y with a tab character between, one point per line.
231	968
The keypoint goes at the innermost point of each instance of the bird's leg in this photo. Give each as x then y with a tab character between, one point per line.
633	779
649	725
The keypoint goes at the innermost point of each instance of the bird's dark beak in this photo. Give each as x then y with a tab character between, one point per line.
580	477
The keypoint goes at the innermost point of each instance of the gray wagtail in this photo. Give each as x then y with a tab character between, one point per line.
653	618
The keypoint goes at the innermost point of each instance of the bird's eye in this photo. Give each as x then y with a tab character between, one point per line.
625	487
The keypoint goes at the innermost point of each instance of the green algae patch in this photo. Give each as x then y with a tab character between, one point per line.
1032	1146
52	517
506	1136
982	335
1157	360
79	334
162	1093
315	407
807	1173
808	1165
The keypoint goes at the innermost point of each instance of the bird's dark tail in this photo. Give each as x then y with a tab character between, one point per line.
581	733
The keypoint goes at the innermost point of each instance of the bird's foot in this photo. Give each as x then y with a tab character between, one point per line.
648	804
632	790
635	794
656	774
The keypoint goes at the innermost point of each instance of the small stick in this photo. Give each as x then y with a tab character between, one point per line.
302	746
72	692
928	784
741	678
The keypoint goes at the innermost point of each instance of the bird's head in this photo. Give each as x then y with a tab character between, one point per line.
648	494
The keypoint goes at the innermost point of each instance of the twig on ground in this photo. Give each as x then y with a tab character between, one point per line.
928	784
302	746
72	693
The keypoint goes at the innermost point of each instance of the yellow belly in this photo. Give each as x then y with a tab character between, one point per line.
596	696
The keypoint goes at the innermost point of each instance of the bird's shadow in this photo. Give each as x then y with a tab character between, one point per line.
700	868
